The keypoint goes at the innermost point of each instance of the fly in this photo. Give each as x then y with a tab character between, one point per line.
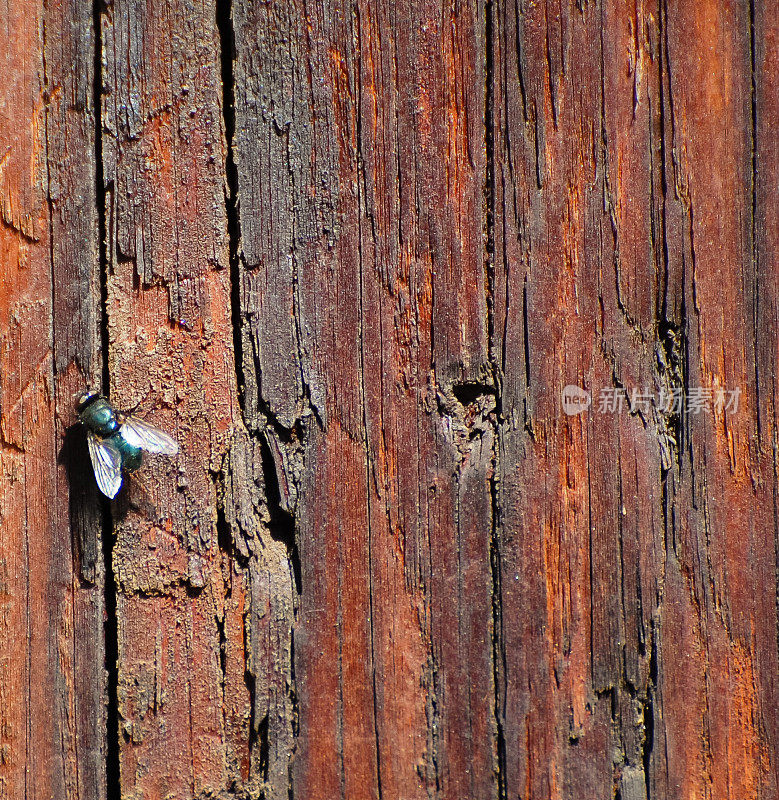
117	441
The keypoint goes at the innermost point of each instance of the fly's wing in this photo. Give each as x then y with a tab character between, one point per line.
107	463
140	434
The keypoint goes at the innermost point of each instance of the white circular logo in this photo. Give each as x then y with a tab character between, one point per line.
575	400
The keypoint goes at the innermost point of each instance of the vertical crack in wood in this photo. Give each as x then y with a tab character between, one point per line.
282	521
648	714
49	203
100	190
226	33
609	202
775	448
499	667
671	334
223	540
295	722
224	25
753	213
270	437
498	652
669	329
111	630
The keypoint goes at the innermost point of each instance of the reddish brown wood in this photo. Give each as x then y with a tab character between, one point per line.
353	254
725	495
638	550
361	156
184	697
576	283
52	658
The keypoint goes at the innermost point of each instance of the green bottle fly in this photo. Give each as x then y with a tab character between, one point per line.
117	441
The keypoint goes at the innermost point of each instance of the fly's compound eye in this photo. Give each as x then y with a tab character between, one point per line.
84	400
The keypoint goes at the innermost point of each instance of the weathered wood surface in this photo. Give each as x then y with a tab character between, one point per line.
361	167
352	255
184	698
53	739
628	241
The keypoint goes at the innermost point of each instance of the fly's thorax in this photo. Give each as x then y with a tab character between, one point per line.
100	417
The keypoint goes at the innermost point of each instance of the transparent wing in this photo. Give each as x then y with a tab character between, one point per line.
107	463
140	434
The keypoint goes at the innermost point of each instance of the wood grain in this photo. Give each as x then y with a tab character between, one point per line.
181	705
726	483
577	282
52	678
630	547
350	256
360	151
204	590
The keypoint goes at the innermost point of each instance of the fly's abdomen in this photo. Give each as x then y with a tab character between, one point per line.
131	455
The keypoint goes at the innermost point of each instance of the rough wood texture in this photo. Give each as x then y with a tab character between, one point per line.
638	581
353	254
183	701
52	656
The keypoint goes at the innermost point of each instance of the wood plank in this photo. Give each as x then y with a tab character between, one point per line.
28	434
765	295
633	544
191	566
70	38
575	286
723	502
361	163
52	714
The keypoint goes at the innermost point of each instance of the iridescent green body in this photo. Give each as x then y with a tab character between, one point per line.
100	417
131	455
116	440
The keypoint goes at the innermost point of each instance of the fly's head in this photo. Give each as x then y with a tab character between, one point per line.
85	399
